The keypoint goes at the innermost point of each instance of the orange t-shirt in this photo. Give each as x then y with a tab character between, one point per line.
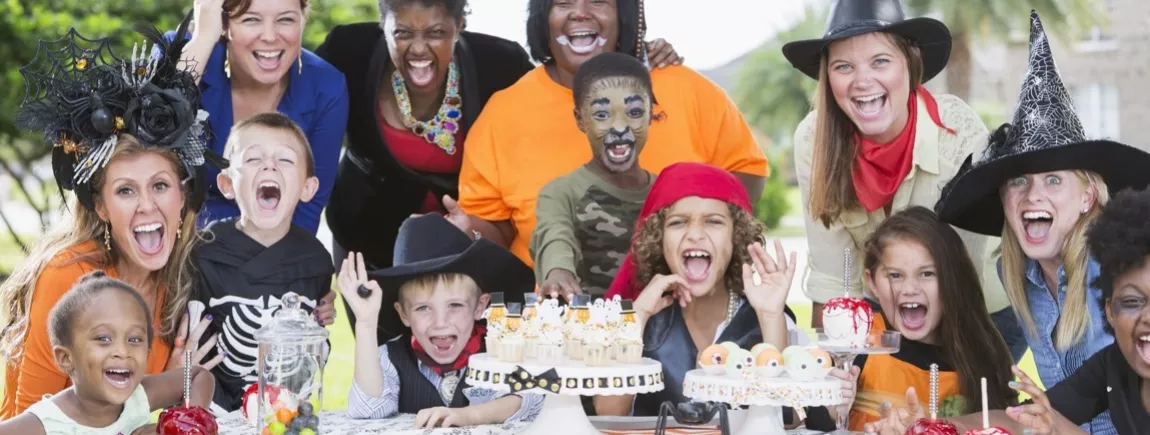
36	373
527	136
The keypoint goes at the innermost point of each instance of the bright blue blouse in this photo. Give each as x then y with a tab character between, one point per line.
316	99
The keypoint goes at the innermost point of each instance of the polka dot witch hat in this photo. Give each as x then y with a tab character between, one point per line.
1044	136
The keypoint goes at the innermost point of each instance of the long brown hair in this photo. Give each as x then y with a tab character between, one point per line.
176	279
970	342
648	247
1074	322
832	191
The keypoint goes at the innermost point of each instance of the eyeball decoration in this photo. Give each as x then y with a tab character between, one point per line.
738	361
768	360
802	365
823	358
713	359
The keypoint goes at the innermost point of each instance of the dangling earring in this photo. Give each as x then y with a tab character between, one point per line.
301	63
107	236
227	64
180	229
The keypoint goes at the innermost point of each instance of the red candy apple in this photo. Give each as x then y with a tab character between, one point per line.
190	420
993	430
926	426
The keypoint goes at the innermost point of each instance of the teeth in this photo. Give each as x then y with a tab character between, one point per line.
579	34
420	63
1037	215
910	305
1145	338
269	54
869	98
119	372
697	254
147	228
270	184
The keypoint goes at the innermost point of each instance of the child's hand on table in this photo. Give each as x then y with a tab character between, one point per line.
444	417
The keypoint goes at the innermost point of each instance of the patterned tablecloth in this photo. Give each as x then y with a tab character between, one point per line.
336	422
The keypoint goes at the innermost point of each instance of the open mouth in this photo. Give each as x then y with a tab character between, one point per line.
1037	225
119	378
149	237
582	41
620	152
1142	345
268	195
697	264
870	106
912	315
443	343
420	72
268	60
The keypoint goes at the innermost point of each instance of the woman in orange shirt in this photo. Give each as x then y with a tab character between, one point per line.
527	135
130	155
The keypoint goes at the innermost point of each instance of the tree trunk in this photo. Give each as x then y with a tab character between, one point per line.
960	67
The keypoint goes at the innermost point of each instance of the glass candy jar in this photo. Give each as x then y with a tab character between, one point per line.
292	350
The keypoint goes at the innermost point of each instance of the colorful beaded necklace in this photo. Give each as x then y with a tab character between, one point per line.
441	129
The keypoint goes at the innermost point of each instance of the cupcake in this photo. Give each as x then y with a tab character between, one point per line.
578	315
495	315
629	344
531	330
596	342
530	304
549	341
512	343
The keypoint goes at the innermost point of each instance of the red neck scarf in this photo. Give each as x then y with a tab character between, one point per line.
676	182
471	348
879	169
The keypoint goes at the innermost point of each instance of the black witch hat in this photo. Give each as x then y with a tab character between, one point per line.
850	18
83	97
1044	136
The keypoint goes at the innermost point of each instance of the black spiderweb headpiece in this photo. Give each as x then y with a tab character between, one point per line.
82	96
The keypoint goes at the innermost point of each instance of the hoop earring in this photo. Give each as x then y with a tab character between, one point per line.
227	64
107	236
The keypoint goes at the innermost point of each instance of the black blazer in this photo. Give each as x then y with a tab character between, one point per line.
374	193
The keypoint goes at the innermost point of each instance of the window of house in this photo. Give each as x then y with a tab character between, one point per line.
1098	109
1100	38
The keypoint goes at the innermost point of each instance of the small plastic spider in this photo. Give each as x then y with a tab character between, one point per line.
693	414
96	104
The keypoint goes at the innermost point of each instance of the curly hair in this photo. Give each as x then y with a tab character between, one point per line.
75	301
648	248
1119	238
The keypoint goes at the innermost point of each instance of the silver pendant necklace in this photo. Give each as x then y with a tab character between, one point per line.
447	386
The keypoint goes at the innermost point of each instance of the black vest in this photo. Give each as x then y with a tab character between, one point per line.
416	393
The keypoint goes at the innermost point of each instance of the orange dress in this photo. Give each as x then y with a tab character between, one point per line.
36	374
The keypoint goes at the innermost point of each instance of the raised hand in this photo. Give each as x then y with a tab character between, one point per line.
659	294
352	275
208	19
561	282
661	54
1039	418
190	340
895	421
768	294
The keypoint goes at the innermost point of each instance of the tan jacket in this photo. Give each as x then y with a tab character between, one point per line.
937	157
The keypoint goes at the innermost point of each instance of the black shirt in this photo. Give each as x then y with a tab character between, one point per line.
1104	382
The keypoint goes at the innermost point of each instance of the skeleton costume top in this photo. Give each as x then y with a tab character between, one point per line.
241	283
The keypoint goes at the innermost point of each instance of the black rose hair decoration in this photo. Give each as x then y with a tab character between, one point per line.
83	97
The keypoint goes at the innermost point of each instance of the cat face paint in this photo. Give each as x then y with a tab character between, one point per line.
615	115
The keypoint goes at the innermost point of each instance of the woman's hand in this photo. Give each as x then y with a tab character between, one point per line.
352	275
325	310
768	294
189	340
661	54
561	282
208	19
1039	418
895	421
457	217
659	294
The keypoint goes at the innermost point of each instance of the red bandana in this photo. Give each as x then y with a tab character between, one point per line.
879	169
676	182
460	363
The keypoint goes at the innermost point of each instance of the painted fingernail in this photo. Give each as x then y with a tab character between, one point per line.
208	317
1013	384
225	354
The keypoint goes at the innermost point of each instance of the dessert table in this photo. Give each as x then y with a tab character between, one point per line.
336	422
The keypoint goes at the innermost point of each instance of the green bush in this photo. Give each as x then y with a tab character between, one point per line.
773	205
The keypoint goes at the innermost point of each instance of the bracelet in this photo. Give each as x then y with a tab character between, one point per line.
476	235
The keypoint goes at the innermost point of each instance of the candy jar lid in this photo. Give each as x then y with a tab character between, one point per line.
291	324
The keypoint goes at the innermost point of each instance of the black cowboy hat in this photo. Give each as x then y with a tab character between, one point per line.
857	17
1045	136
429	244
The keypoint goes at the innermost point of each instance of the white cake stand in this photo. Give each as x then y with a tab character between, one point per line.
563	412
765	396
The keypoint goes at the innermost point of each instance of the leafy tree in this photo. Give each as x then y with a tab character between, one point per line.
972	22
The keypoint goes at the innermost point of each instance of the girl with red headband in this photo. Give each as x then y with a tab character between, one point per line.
699	274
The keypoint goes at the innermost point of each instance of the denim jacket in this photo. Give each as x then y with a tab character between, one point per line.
1054	364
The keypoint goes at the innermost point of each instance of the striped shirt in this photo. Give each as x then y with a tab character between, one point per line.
361	405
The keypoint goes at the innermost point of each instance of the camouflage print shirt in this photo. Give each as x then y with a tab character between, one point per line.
584	225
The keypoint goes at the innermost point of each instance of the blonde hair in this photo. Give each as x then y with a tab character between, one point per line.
1075	320
427	284
274	121
832	190
176	279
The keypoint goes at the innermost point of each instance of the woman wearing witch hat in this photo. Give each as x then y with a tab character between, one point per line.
1040	184
878	142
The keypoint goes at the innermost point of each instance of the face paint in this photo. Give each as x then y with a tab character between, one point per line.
615	114
1128	315
585	45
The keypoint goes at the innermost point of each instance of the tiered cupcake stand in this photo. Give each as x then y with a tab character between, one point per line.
765	396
